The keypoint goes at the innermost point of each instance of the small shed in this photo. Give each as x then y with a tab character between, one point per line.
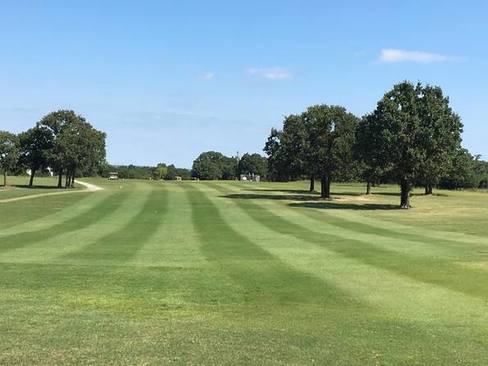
178	178
113	176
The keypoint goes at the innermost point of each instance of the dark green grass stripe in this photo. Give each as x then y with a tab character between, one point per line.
122	245
260	275
436	271
81	221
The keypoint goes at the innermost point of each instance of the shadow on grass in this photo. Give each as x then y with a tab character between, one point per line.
26	186
346	206
279	197
319	203
297	191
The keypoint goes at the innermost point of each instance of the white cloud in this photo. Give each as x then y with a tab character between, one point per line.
271	73
394	55
207	76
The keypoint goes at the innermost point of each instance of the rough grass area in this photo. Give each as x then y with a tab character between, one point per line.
19	187
231	273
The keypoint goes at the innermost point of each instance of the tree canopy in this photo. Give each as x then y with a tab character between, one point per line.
9	153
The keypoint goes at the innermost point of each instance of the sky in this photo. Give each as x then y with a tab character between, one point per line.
167	80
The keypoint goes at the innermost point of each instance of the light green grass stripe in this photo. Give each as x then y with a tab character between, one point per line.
175	242
118	211
432	270
425	302
44	212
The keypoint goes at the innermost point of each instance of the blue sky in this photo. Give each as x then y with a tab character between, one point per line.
169	79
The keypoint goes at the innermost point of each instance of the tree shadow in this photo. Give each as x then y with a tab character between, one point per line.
279	197
26	186
297	191
318	202
346	206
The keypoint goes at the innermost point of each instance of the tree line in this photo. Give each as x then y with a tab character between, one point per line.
161	171
413	137
214	165
61	141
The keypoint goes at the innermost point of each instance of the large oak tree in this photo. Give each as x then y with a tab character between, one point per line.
330	138
416	134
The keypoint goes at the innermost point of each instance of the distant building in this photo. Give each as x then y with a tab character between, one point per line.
250	177
178	178
113	176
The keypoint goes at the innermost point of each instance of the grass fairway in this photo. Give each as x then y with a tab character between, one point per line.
232	273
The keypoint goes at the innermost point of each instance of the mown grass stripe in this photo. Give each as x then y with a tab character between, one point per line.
435	271
423	300
27	216
121	246
260	274
52	250
175	243
83	220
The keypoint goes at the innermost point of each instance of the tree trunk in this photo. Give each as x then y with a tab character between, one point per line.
325	186
405	195
73	179
60	179
67	182
5	177
312	183
31	180
368	187
428	188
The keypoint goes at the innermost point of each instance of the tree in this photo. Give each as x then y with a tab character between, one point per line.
462	173
442	130
254	164
208	166
273	148
162	170
373	164
57	122
35	148
295	148
9	153
411	140
330	135
83	148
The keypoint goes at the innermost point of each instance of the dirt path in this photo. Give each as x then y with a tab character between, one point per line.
88	188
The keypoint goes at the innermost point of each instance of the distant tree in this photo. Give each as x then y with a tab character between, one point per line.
9	153
36	145
208	166
462	173
409	141
162	170
331	135
228	167
253	164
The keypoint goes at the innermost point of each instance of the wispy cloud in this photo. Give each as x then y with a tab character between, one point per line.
271	73
395	55
207	76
